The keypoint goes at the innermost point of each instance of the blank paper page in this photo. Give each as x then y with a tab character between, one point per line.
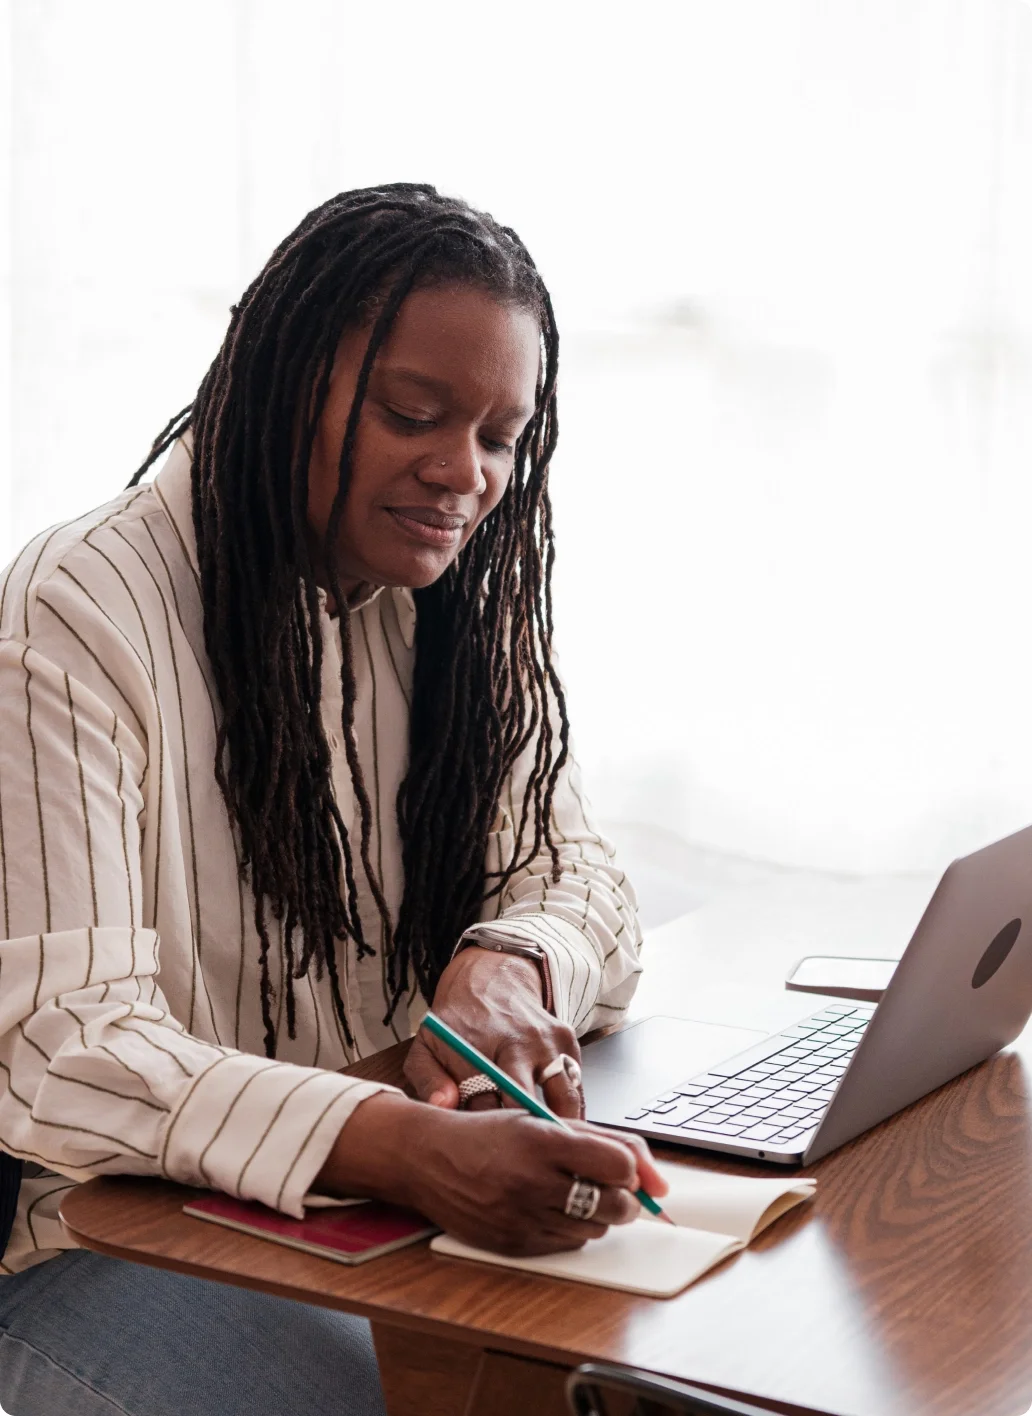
640	1257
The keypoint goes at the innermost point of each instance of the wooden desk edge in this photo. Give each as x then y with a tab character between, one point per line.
377	1313
445	1333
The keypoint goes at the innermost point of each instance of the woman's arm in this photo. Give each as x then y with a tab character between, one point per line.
499	1179
96	1075
585	925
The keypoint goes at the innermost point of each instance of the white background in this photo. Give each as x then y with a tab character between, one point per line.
789	245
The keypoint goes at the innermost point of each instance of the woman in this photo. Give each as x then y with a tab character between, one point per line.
283	756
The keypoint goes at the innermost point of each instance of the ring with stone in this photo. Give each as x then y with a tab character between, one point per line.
478	1085
563	1063
583	1200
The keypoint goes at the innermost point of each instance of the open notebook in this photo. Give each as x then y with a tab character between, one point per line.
716	1215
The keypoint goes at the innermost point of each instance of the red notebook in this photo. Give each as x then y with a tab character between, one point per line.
351	1234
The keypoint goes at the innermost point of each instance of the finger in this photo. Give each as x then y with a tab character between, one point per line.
559	1236
563	1095
592	1156
518	1062
576	1232
486	1101
540	1241
650	1178
562	1091
429	1079
615	1206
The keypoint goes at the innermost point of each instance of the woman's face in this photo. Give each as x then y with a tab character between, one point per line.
450	393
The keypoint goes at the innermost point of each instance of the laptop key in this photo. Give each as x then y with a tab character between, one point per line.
662	1108
716	1128
759	1133
637	1115
680	1114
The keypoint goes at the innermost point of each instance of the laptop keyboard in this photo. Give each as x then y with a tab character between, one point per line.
775	1093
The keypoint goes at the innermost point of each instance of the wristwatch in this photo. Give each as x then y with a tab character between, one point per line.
503	944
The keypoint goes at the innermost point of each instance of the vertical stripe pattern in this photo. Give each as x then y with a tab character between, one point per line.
131	1037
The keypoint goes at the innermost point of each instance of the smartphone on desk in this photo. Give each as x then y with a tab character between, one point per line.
864	980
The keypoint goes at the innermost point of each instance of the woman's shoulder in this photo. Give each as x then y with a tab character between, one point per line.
93	565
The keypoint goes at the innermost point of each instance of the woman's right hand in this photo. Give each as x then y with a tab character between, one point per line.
496	1179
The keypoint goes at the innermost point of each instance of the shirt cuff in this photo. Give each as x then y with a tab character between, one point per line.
259	1129
570	957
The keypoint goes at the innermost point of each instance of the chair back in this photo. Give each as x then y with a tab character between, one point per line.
597	1389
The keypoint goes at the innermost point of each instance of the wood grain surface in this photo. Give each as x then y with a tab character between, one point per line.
904	1289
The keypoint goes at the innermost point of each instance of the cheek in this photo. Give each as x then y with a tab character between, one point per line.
371	470
497	485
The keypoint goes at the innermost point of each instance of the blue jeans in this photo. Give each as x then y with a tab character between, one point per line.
84	1335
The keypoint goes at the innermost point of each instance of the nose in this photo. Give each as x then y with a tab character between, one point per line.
456	467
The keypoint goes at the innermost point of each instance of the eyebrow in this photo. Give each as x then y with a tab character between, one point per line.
444	389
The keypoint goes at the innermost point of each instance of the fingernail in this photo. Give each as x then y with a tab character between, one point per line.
438	1098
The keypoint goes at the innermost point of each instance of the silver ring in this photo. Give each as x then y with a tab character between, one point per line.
478	1085
563	1063
583	1200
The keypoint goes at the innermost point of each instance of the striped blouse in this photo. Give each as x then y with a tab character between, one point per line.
131	1037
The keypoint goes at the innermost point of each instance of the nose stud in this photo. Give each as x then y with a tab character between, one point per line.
445	463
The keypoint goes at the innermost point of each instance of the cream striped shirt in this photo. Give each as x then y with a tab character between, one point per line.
130	1017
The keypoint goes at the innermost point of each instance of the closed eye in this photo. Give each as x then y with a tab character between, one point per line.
405	422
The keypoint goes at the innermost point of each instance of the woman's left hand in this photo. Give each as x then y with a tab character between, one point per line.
495	1002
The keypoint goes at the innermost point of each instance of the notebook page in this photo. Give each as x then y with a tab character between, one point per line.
641	1257
729	1204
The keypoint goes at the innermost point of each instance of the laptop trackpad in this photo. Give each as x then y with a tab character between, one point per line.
631	1067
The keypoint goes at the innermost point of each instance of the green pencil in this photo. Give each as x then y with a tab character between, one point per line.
505	1083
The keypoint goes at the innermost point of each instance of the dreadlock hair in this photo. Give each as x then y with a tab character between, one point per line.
484	676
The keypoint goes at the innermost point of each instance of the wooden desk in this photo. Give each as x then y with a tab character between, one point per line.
904	1290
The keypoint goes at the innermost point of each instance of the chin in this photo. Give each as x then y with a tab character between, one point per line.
412	573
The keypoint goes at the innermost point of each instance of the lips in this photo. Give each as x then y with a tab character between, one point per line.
431	516
428	525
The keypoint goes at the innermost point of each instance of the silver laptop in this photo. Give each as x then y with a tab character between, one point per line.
962	990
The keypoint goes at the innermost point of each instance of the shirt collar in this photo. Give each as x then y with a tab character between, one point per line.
173	491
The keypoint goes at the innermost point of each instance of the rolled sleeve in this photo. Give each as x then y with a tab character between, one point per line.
260	1130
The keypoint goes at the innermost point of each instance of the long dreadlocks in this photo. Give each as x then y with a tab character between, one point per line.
483	671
